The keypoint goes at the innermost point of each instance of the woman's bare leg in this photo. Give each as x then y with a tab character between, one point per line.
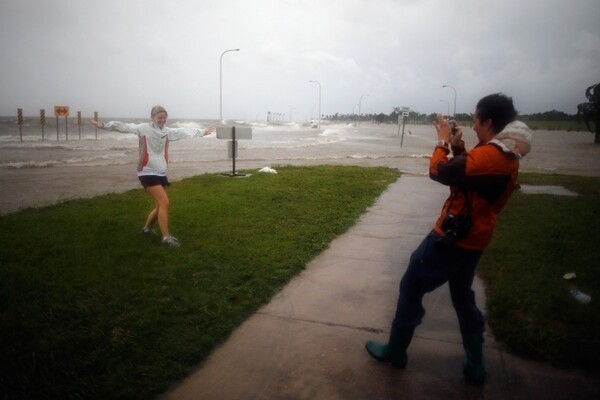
161	211
152	217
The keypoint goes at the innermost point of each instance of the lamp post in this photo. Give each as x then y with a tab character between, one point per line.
448	104
448	86
318	83
359	105
221	83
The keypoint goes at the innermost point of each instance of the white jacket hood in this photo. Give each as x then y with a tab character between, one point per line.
515	138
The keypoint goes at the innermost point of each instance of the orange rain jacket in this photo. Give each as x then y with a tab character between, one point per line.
487	174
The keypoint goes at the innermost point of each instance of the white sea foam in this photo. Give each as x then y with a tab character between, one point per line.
420	156
112	158
187	124
294	141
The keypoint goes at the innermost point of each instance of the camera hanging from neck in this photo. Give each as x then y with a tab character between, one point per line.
457	226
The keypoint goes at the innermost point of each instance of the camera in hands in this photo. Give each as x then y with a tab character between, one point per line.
453	129
456	227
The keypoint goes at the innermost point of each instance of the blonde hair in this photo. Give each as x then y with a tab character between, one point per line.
157	109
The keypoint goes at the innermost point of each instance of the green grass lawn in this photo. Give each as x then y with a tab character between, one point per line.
89	308
538	239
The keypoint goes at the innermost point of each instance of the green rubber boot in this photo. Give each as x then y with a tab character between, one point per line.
394	351
474	370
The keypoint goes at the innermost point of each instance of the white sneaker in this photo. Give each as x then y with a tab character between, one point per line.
171	241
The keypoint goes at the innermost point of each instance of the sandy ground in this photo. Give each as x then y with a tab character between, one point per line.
570	153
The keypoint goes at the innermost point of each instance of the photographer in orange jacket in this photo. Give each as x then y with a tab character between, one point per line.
481	180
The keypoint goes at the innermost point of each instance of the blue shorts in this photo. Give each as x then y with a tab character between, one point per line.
154	180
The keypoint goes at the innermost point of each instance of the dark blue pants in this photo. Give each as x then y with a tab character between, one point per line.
431	265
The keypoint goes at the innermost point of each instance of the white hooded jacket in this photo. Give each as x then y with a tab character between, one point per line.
153	143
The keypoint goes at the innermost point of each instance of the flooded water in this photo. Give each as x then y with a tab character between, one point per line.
74	163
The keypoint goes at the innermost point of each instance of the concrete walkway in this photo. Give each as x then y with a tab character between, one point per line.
308	342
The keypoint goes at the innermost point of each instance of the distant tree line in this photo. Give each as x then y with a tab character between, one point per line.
420	118
549	116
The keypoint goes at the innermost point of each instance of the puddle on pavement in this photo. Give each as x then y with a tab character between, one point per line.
555	190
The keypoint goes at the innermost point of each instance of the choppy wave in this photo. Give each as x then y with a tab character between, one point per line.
285	141
50	139
69	147
82	161
420	156
188	124
299	143
332	132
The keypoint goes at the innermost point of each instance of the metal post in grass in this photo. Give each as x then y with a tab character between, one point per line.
233	134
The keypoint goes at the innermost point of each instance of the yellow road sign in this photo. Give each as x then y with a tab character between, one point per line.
61	111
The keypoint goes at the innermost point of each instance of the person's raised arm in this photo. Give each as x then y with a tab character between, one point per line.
188	132
97	124
208	131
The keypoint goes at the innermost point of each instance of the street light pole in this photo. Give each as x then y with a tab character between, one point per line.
318	83
359	104
221	84
448	104
448	86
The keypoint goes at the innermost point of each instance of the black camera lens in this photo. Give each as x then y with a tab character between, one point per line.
456	227
452	126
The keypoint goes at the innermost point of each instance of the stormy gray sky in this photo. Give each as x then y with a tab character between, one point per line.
120	57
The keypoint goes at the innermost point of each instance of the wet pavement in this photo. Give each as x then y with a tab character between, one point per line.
308	342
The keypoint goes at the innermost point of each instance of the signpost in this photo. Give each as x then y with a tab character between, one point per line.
42	121
79	123
233	134
405	113
61	111
20	122
96	118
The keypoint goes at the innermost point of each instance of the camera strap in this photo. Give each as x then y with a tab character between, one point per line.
466	208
